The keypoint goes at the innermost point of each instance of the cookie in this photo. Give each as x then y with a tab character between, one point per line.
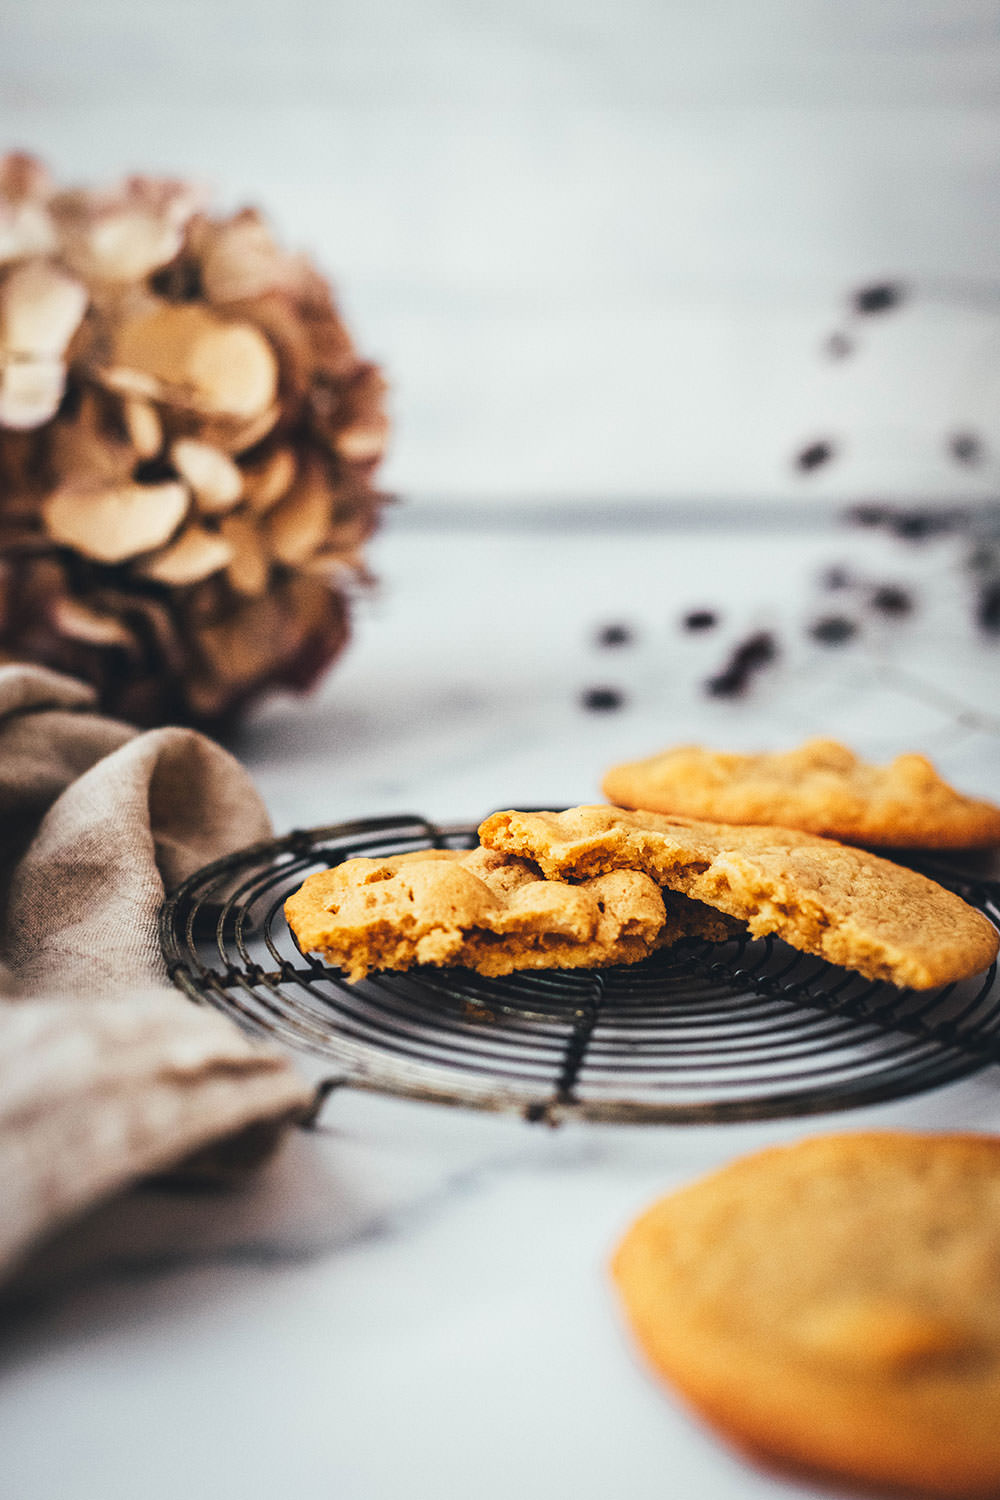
822	787
486	911
839	903
835	1304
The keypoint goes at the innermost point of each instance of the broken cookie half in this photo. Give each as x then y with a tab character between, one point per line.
486	910
839	903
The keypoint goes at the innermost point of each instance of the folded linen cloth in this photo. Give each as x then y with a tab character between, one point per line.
107	1073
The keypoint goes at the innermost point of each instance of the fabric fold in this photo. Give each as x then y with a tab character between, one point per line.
107	1073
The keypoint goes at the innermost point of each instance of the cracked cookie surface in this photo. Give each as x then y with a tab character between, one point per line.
840	903
835	1304
820	787
487	911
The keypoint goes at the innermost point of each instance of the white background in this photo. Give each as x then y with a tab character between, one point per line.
597	246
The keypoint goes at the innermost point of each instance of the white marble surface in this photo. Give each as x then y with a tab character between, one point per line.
414	1299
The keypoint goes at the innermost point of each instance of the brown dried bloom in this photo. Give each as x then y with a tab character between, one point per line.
188	440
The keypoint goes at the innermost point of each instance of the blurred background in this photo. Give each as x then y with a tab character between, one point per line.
600	249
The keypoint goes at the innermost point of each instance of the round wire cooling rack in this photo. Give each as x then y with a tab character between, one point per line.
747	1029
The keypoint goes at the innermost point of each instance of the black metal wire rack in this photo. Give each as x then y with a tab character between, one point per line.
748	1029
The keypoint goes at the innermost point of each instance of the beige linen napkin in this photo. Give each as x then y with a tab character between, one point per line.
107	1073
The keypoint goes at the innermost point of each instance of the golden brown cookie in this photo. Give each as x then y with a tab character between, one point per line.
821	787
484	911
840	903
835	1304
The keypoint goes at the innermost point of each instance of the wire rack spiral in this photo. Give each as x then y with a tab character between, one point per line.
748	1029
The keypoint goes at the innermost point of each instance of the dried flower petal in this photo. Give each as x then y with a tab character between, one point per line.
238	437
41	308
298	524
25	229
126	246
197	485
216	481
30	392
23	177
115	524
277	316
265	483
83	450
196	554
250	568
194	359
75	619
365	431
239	259
248	645
144	427
126	234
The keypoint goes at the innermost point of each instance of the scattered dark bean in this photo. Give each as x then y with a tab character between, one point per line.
728	684
881	296
757	650
700	619
748	657
965	448
988	607
839	346
602	700
890	599
813	455
615	635
836	578
833	630
983	558
915	525
871	513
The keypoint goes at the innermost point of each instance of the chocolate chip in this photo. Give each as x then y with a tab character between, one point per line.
615	634
700	619
813	455
889	599
965	448
602	700
879	297
836	578
833	630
